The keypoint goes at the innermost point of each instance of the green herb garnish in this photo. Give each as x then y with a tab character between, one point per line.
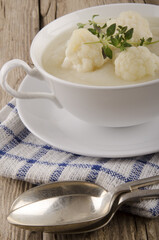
113	35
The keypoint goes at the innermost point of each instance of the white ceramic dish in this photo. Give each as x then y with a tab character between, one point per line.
103	106
62	130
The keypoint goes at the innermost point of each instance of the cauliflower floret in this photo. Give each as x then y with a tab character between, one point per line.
133	20
135	63
80	56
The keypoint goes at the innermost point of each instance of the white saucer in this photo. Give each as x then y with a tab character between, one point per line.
64	131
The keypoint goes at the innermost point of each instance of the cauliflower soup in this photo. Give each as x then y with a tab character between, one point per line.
86	64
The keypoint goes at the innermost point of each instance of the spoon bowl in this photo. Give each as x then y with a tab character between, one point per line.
63	205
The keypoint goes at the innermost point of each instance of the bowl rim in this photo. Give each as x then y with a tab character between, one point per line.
79	85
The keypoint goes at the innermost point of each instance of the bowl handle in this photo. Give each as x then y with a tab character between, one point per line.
8	66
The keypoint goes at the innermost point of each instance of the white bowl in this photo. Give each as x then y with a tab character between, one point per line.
113	106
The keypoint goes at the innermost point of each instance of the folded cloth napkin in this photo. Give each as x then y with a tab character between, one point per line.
25	157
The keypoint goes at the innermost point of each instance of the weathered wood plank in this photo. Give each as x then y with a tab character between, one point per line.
19	22
10	190
67	6
152	2
47	12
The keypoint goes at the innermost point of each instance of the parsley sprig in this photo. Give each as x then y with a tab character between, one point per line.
114	35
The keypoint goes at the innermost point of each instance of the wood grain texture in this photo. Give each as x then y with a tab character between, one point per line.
19	22
17	19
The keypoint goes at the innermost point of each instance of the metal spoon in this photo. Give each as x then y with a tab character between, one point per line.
68	206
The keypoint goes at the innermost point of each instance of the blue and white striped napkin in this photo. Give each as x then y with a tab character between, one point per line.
23	156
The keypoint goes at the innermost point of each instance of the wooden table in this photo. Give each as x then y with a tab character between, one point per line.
20	20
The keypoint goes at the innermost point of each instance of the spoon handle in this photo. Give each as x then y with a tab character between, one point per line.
134	185
138	195
134	196
121	200
144	182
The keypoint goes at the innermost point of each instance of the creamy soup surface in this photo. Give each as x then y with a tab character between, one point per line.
54	55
